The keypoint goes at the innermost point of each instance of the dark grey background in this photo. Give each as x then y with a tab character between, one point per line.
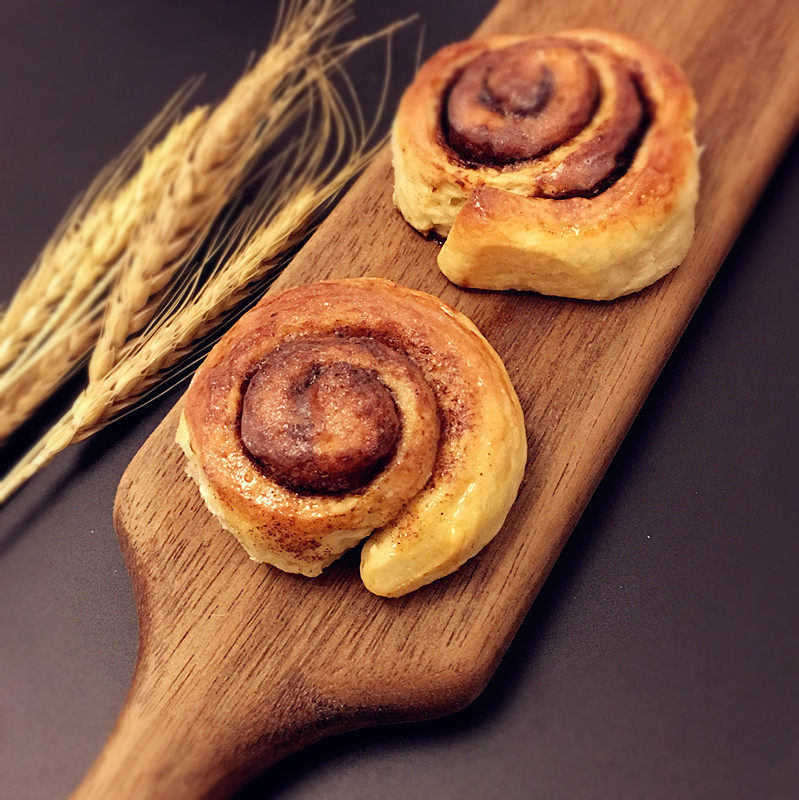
661	658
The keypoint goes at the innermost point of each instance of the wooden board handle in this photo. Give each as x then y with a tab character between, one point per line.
171	741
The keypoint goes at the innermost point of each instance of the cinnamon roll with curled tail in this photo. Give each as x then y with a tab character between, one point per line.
346	408
563	164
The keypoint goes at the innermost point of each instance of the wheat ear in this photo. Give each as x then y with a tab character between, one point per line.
93	234
280	217
260	107
55	317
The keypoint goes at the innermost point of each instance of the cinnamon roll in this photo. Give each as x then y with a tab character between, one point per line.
346	408
563	164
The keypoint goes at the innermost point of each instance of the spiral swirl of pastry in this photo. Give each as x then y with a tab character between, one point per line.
337	409
564	164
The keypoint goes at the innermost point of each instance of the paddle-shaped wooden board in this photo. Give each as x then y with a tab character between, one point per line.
240	664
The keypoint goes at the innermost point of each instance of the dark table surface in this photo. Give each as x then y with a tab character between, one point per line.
661	658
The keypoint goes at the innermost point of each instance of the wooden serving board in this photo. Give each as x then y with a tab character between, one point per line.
240	664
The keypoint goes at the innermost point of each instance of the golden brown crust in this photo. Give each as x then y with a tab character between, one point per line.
359	396
601	214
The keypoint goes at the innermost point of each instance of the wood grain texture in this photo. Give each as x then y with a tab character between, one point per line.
240	664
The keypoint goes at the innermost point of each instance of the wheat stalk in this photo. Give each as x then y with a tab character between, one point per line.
260	107
304	180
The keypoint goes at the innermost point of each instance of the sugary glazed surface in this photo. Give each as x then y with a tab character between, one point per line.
566	164
336	409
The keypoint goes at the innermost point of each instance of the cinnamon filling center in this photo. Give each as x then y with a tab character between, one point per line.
318	428
521	102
